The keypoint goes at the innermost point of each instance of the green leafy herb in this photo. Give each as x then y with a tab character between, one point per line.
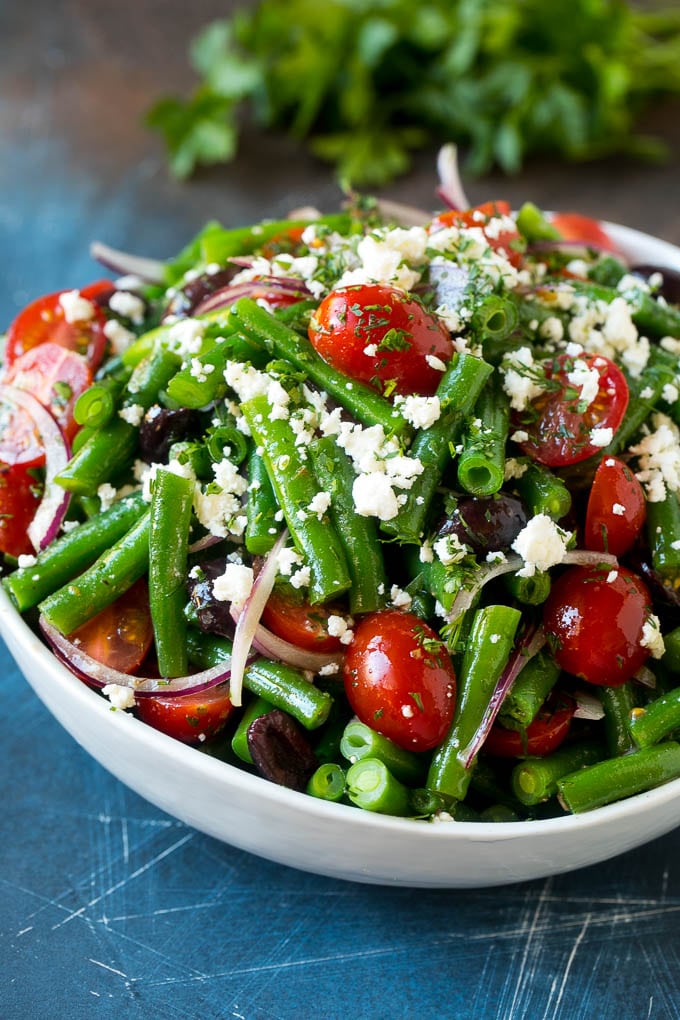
365	82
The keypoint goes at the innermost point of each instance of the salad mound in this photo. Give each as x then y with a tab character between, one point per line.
383	506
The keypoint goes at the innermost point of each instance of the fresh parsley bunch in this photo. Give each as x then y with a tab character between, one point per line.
365	82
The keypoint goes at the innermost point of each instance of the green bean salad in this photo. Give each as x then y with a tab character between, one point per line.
381	506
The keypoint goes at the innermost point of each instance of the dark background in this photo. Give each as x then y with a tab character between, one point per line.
109	908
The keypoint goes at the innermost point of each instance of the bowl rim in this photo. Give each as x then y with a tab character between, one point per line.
14	629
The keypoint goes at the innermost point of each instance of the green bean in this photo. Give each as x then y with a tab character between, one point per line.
262	527
498	813
296	487
360	741
543	492
364	403
195	455
239	742
530	591
486	654
105	454
481	465
207	650
494	318
660	370
663	535
98	403
656	720
371	786
458	392
534	780
109	577
72	553
671	658
529	691
607	271
618	703
424	803
219	245
202	381
358	535
534	226
328	782
491	783
649	315
616	778
226	441
171	504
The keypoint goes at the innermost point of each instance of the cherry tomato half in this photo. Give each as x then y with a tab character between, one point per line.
542	736
56	377
576	227
121	635
506	240
558	425
291	618
20	496
616	508
191	718
380	336
400	681
594	619
45	319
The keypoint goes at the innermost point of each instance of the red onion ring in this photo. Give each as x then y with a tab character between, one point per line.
273	647
450	188
54	504
204	543
125	264
264	287
94	672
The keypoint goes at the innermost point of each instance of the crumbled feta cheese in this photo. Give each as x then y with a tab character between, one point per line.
494	639
587	380
26	560
128	305
421	412
601	436
374	496
118	336
618	509
120	697
76	308
407	711
521	378
652	637
399	598
436	363
301	577
234	585
107	496
450	549
552	329
670	393
514	469
541	544
132	414
659	459
185	337
320	504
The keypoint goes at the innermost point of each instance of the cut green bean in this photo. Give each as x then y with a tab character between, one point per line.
534	226
262	528
360	741
671	658
171	504
494	318
533	685
663	535
618	703
371	786
106	453
109	577
72	553
202	381
328	782
487	651
458	393
292	478
358	535
530	591
534	780
616	778
481	465
656	720
543	492
255	708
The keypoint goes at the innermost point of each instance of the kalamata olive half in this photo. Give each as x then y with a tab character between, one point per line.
669	289
212	615
161	427
487	523
280	750
190	296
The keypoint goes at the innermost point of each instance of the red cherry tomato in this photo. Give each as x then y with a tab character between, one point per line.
594	619
400	681
575	227
383	318
557	424
542	736
508	241
287	241
296	621
191	718
20	496
54	375
121	635
616	508
44	319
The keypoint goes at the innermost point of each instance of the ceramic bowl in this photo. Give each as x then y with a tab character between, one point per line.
334	839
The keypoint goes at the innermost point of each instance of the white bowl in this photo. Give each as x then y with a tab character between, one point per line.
334	839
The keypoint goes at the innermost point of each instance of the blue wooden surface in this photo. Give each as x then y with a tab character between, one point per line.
110	908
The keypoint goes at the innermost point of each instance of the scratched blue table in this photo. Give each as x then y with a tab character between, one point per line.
108	907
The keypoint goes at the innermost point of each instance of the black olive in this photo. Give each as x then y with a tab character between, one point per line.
213	616
161	427
485	523
280	750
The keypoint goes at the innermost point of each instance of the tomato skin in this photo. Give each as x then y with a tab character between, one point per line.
508	241
559	433
19	499
614	485
595	625
56	377
191	718
44	320
296	621
397	683
576	227
543	736
121	635
350	319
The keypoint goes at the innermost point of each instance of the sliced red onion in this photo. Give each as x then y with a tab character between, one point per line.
94	672
588	706
274	647
529	646
122	262
405	215
488	571
250	614
450	188
204	543
264	287
52	509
